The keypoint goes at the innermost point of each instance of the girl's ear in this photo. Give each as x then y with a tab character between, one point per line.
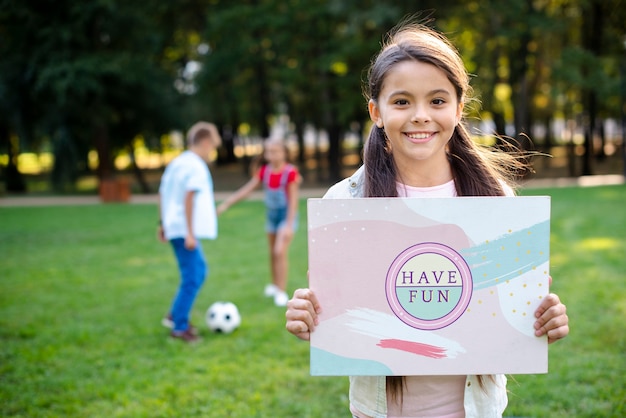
375	113
459	112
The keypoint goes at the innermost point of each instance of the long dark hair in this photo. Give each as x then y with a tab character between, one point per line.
477	171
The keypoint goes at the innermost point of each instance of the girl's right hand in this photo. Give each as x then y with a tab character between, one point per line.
221	208
302	313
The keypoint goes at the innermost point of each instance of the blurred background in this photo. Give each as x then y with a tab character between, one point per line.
101	92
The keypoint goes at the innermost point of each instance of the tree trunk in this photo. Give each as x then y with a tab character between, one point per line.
299	126
548	141
332	128
65	170
103	148
589	128
14	180
499	122
519	83
265	108
319	161
592	41
138	172
600	154
226	153
334	152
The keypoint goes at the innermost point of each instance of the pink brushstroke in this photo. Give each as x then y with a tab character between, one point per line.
420	349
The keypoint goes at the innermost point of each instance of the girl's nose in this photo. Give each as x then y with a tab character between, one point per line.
420	115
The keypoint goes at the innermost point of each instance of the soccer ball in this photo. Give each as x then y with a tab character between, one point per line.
223	317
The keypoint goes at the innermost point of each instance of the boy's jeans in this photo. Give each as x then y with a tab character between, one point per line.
193	270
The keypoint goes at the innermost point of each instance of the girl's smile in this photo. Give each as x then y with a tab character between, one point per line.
419	137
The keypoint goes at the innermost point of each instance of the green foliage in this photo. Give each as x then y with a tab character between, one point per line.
83	288
99	73
92	72
304	57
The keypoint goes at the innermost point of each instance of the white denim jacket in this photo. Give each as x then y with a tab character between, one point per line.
368	394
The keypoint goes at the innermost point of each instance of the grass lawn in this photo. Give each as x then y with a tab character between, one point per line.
83	289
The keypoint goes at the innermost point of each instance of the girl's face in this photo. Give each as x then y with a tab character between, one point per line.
275	153
418	109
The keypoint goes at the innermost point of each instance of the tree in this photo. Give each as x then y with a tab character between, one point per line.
307	55
94	74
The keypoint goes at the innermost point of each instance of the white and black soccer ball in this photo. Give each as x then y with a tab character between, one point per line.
223	317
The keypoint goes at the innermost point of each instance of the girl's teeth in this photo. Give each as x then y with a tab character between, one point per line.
419	136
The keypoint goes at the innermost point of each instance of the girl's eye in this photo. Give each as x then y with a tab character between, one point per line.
401	102
438	101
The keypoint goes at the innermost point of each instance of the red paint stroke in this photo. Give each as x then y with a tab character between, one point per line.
420	349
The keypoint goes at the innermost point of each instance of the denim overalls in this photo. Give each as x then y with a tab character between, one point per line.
276	199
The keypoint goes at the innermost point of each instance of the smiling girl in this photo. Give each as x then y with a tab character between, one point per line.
419	147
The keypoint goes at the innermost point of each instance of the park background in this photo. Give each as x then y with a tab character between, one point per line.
96	96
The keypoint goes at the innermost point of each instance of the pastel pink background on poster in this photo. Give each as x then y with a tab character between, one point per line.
352	244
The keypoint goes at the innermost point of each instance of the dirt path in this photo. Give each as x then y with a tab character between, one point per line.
17	201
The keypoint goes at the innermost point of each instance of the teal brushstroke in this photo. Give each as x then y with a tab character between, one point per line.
324	363
507	257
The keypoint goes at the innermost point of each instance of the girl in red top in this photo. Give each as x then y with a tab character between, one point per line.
281	181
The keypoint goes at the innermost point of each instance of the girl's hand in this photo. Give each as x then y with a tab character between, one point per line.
221	208
552	318
302	311
287	230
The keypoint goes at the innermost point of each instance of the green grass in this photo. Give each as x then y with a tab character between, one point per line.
588	263
83	288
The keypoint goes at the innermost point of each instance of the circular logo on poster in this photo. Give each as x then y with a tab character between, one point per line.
429	286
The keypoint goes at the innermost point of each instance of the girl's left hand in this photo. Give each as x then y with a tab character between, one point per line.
552	318
288	230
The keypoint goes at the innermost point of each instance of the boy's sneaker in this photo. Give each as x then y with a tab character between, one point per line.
186	336
281	298
271	290
167	322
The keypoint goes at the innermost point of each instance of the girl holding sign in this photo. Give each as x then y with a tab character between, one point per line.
419	147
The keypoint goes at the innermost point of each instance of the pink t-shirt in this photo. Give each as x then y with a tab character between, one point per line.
444	190
430	396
